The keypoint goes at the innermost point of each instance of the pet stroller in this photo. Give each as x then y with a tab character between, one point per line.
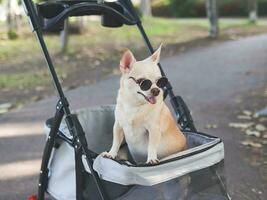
71	166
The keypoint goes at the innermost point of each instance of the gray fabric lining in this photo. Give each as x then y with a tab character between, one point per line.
98	126
97	123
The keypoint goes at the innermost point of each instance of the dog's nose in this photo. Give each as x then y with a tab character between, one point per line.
155	91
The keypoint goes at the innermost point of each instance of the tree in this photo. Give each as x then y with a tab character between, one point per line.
253	7
145	7
212	14
68	27
64	37
13	12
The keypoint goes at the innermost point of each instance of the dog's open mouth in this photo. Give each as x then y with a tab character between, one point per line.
151	100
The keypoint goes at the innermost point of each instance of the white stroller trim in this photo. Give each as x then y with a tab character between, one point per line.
205	151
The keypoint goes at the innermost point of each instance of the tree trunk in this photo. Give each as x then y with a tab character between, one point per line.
253	7
146	8
64	37
9	17
81	23
212	14
12	12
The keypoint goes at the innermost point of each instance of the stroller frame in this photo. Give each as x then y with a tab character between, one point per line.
51	16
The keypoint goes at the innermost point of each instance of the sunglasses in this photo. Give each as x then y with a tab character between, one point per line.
145	84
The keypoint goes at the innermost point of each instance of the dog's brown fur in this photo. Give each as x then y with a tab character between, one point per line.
148	127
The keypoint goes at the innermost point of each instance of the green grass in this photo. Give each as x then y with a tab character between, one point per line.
24	47
22	80
97	39
170	30
226	23
28	79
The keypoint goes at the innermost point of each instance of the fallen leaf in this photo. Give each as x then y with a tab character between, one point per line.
253	133
233	37
39	88
78	56
251	143
241	125
209	126
64	75
243	117
238	100
92	66
65	58
215	126
36	98
256	191
260	127
3	110
19	105
247	112
96	62
6	105
256	115
105	70
6	90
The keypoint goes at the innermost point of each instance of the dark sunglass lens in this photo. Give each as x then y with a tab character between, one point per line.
139	81
145	85
162	82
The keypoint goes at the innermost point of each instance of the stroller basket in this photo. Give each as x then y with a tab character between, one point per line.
175	175
71	166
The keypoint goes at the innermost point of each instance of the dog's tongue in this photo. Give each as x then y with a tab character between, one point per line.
152	100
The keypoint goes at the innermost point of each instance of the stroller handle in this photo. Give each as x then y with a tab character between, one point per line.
114	14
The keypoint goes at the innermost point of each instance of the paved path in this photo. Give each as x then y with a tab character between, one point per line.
208	78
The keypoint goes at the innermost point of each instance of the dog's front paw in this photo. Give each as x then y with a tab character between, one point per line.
108	155
152	161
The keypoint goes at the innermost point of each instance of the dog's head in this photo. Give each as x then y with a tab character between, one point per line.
142	80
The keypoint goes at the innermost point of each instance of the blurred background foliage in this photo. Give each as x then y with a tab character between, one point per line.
189	8
196	8
181	24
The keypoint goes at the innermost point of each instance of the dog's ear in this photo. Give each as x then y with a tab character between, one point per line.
156	55
127	61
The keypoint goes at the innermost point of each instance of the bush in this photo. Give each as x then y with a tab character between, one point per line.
12	35
186	8
197	8
262	8
233	8
162	8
